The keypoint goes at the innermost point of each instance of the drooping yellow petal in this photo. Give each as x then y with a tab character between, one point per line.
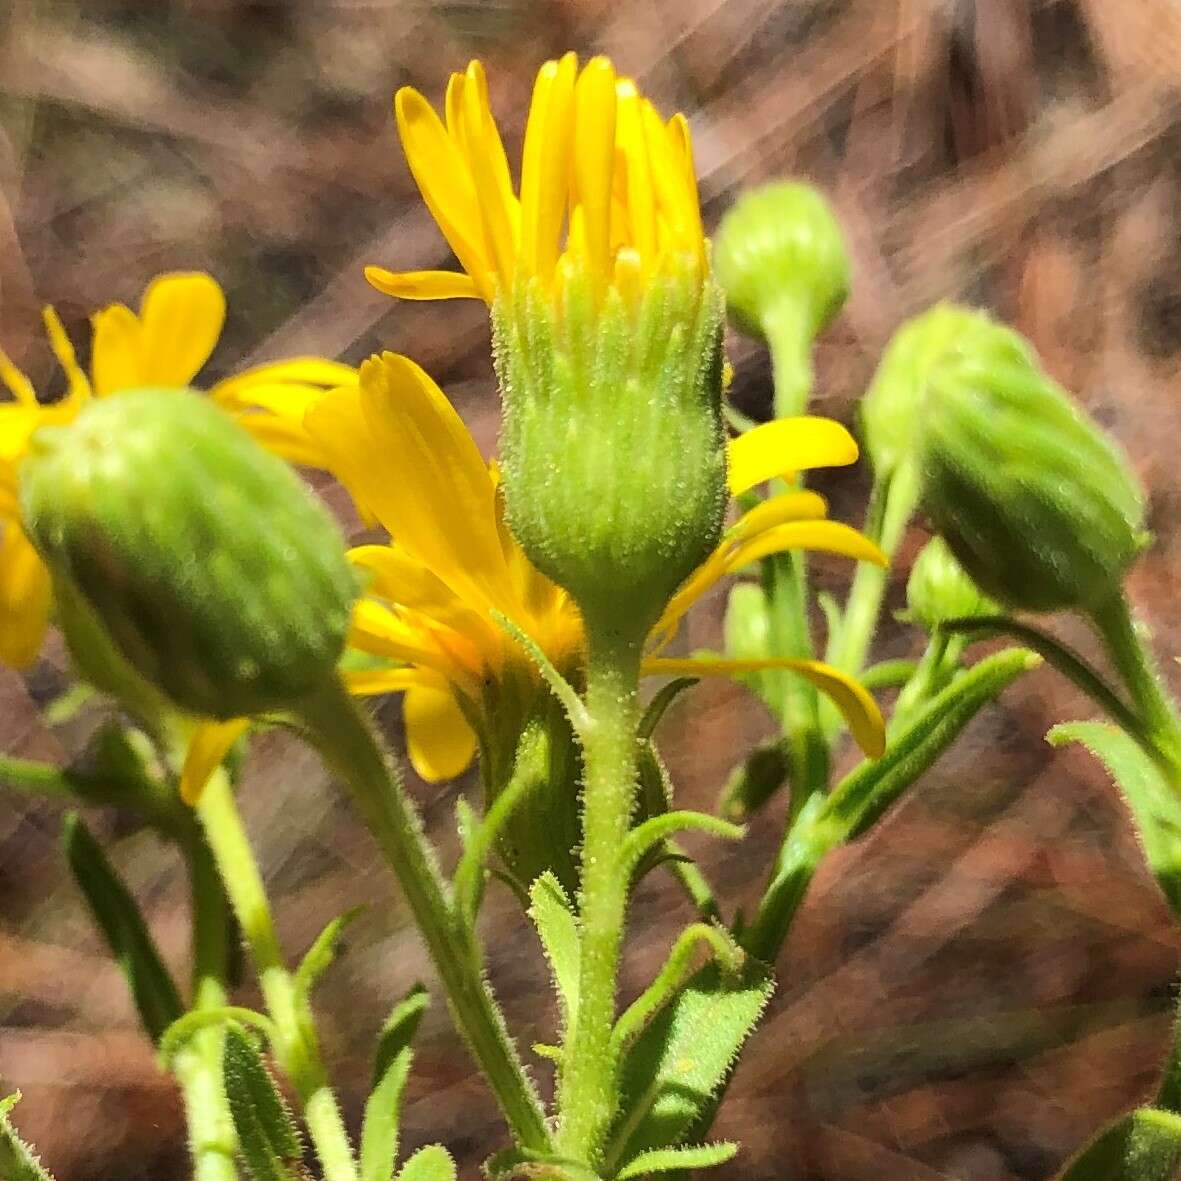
376	682
16	382
289	376
181	318
594	158
24	598
857	707
439	741
423	284
208	747
63	350
378	630
446	186
787	445
778	510
116	350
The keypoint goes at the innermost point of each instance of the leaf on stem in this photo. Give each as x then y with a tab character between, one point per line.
18	1162
432	1163
644	836
268	1139
668	1160
1155	808
557	928
1142	1146
152	988
523	1164
322	953
659	704
391	1068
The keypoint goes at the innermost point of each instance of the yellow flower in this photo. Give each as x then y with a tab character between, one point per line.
163	346
597	155
451	565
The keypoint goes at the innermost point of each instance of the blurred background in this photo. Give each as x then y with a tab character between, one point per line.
973	988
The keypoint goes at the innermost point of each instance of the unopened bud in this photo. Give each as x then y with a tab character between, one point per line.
939	589
214	571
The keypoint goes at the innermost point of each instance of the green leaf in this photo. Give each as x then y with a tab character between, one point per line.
174	1038
667	1160
679	1062
755	780
432	1163
18	1162
557	927
661	700
391	1068
658	828
152	988
1155	809
322	953
1142	1146
523	1163
267	1137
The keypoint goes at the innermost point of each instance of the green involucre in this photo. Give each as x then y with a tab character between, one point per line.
215	572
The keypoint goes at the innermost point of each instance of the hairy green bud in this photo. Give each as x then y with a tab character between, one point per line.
214	571
781	259
612	448
939	589
1035	501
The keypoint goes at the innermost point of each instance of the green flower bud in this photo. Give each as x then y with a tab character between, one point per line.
1033	498
216	573
890	417
781	259
612	449
938	589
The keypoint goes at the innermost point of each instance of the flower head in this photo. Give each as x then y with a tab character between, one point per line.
451	567
162	346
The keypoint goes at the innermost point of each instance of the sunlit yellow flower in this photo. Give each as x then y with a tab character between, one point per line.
606	185
451	565
163	345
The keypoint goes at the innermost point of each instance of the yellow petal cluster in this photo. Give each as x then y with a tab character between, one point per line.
607	186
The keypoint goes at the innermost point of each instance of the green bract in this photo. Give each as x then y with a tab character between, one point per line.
938	589
612	446
1033	498
779	250
216	573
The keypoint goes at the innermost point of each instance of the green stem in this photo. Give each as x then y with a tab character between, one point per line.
350	746
1159	729
297	1048
789	337
198	1067
586	1094
934	671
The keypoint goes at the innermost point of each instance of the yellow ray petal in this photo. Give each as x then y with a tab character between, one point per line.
778	510
63	350
857	707
116	350
16	382
376	682
24	598
446	186
208	746
439	740
641	194
181	319
787	445
284	438
439	503
378	630
294	373
423	284
594	158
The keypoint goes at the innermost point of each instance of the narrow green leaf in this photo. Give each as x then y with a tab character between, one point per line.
399	1028
322	953
432	1163
173	1039
557	927
667	1160
391	1068
683	1057
267	1137
1142	1146
658	828
1156	810
18	1162
755	780
661	700
152	988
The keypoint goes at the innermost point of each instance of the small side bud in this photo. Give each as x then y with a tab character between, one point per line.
1033	498
781	259
214	571
939	589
